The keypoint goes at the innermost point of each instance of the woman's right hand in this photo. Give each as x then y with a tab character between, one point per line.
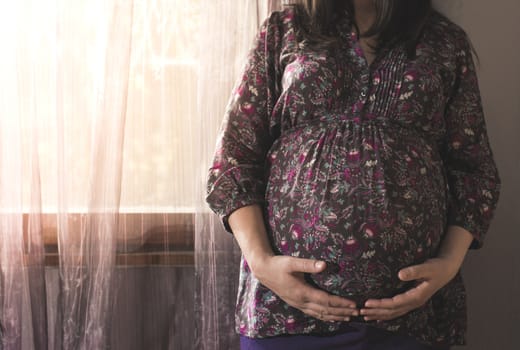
284	275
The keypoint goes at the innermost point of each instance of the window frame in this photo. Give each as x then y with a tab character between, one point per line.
158	239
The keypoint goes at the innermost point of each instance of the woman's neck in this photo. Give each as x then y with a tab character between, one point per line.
365	13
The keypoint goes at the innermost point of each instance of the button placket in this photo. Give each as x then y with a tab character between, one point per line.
365	86
365	93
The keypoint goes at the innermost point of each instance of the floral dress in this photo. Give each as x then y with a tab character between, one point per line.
362	166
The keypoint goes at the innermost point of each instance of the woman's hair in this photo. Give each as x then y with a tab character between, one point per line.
397	21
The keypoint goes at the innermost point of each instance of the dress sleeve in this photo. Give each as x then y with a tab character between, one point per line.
237	175
473	178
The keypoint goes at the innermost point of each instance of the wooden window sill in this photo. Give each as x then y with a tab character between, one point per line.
144	239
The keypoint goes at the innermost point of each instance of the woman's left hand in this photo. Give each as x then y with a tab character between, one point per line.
431	276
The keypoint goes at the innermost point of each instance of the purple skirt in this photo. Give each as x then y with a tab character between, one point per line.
352	337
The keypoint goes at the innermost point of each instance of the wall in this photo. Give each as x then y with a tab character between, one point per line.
492	274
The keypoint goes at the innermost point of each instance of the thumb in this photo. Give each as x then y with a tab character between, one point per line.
412	273
307	265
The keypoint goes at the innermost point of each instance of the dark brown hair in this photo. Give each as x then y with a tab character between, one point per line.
397	21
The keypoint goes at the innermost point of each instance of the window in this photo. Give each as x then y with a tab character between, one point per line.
158	183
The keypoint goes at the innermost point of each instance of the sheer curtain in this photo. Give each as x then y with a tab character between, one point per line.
109	111
228	34
61	66
97	193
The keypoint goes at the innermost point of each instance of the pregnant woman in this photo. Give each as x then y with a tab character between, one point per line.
354	170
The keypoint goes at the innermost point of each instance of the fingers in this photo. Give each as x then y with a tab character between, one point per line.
306	265
326	307
287	281
413	295
327	300
430	276
326	311
383	314
322	305
415	272
390	308
329	314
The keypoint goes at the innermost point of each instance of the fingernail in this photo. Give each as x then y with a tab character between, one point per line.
319	264
347	319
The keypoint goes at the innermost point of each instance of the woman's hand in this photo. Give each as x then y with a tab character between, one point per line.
431	276
284	275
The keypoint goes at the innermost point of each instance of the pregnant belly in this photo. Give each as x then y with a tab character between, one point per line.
367	211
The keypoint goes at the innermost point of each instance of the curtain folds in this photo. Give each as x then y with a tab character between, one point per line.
109	111
96	174
87	259
230	28
65	82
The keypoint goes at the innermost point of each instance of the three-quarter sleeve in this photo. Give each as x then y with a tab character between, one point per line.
237	175
473	178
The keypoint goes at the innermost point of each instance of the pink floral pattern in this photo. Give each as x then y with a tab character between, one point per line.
361	166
